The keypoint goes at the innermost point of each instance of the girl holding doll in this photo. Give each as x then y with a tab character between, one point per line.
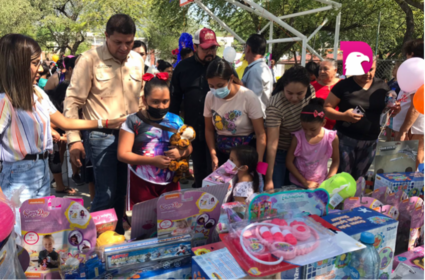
311	148
144	143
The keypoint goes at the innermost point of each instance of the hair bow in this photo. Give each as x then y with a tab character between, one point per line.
175	52
148	76
315	114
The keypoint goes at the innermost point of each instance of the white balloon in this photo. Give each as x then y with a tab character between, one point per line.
229	54
410	74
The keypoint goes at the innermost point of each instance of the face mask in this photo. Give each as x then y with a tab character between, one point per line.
221	92
157	113
42	82
230	167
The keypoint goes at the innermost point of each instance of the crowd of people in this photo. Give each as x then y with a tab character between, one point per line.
116	114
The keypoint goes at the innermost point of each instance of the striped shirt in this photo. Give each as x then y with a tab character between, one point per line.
24	132
286	115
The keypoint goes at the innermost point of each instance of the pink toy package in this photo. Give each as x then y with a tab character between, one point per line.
57	233
185	212
354	202
381	194
221	175
411	224
414	258
105	220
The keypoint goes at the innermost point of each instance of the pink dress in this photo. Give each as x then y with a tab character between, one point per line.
312	160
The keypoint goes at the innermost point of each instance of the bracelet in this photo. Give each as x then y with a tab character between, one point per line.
106	123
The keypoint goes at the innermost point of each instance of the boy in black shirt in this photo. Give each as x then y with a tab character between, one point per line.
49	254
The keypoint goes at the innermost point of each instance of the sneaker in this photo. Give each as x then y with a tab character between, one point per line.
77	180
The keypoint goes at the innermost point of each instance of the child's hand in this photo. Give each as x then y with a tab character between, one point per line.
173	153
311	185
161	162
56	136
268	185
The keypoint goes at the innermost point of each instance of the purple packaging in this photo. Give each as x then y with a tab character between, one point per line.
58	233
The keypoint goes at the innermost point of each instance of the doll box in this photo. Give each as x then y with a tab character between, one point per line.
202	250
412	183
353	223
105	220
413	258
218	177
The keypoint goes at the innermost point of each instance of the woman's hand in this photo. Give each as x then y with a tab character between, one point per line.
396	109
173	153
214	160
268	185
162	162
115	123
56	136
351	117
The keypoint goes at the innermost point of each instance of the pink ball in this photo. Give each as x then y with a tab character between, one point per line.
7	220
410	74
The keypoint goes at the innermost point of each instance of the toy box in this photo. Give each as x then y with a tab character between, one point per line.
220	177
144	221
412	183
396	156
58	234
105	220
202	250
411	224
126	255
181	213
411	258
354	222
219	264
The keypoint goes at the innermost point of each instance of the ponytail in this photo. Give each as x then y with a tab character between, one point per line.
256	180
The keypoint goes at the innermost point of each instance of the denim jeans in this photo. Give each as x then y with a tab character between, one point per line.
33	175
109	173
280	173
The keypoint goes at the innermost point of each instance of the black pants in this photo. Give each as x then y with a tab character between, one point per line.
201	158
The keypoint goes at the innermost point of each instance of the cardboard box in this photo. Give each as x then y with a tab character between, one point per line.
353	223
105	220
412	183
219	177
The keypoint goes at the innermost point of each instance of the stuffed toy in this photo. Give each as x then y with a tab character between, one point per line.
185	41
181	140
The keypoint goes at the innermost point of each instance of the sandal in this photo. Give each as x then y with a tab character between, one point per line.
68	191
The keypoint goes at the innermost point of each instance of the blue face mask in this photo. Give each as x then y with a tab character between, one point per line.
221	92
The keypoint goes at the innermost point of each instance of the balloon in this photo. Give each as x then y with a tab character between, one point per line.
418	100
229	54
410	74
342	184
55	58
7	220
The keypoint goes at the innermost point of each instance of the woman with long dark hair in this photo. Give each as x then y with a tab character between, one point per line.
233	112
26	113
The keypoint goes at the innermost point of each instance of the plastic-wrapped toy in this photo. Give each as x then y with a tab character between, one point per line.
181	140
339	187
109	238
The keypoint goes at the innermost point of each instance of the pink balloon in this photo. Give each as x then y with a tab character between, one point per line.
410	74
7	220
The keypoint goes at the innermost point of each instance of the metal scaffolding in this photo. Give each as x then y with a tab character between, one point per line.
252	7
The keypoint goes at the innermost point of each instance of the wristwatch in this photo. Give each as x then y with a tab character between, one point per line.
99	124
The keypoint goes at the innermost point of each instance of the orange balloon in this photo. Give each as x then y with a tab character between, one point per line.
55	58
418	100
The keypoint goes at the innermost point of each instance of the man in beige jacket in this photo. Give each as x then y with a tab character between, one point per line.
106	84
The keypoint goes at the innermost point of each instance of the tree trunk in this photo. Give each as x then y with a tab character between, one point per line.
410	23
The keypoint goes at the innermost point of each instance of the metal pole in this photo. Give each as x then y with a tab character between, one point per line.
336	39
303	52
377	34
314	52
317	29
270	44
284	40
222	24
264	28
307	12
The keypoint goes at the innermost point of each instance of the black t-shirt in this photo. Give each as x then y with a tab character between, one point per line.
372	101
